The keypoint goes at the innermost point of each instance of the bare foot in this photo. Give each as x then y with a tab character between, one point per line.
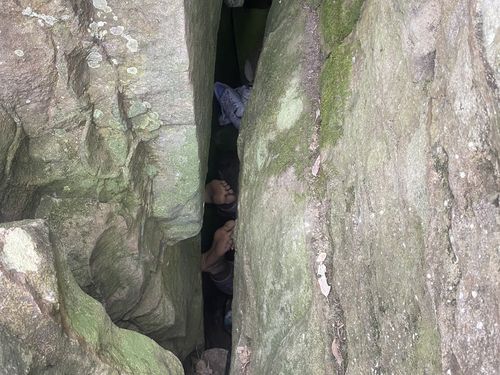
219	192
223	240
221	244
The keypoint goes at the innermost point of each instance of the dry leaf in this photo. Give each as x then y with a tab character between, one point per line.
243	356
336	352
315	168
321	270
321	257
323	285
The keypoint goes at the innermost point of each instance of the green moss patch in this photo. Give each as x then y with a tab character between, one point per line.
338	19
335	79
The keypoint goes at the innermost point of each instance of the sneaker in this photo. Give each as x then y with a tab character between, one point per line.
231	103
244	92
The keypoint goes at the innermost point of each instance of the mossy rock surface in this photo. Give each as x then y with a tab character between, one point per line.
280	329
401	201
105	111
50	326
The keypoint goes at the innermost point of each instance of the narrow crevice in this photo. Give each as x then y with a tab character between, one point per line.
240	39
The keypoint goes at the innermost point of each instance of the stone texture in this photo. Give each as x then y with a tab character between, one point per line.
278	325
105	111
211	362
48	325
385	198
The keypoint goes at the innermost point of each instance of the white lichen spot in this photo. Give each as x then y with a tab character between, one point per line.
19	251
462	174
97	113
479	325
147	105
114	61
102	5
132	44
49	20
50	297
19	52
94	59
28	101
291	105
428	275
474	294
117	30
115	18
95	29
132	70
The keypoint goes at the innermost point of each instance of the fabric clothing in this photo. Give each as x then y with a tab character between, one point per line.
232	103
222	274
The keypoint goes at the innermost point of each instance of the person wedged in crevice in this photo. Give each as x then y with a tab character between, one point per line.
220	269
223	190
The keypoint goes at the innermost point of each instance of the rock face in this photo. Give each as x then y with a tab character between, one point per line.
48	325
105	111
369	224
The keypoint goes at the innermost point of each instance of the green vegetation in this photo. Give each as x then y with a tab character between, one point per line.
338	19
86	318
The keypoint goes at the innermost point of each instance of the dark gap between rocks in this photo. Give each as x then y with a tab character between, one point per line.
240	37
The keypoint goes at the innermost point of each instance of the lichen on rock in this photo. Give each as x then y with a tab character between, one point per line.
394	182
47	321
94	94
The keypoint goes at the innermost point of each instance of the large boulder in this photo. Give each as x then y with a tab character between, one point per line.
105	110
48	325
368	232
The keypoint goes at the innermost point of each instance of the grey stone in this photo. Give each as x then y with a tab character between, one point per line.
49	325
367	240
105	111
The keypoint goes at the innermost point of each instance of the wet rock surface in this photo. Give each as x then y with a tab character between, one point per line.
105	111
368	232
